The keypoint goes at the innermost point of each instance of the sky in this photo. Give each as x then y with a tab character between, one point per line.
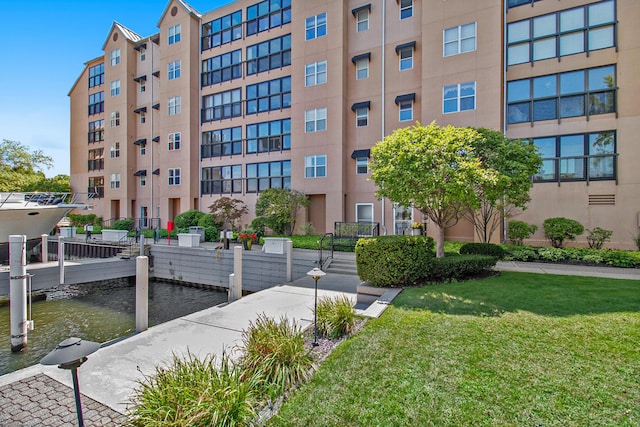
44	45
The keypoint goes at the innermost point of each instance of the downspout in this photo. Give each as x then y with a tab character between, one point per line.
384	228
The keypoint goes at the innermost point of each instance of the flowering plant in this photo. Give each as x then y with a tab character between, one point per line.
245	236
417	225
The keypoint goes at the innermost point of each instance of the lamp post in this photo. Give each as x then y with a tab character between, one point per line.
70	354
316	273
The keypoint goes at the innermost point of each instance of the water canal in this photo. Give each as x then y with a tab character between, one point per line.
102	314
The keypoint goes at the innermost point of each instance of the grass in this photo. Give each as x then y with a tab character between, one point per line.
514	350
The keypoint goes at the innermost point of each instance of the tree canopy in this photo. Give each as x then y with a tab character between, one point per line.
277	208
22	169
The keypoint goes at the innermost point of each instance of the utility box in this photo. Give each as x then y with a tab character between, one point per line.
274	245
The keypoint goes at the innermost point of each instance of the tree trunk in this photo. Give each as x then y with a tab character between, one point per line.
439	241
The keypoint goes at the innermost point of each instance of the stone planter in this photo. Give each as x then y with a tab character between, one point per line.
188	240
416	232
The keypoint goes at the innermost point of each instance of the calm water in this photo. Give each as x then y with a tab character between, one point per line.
102	315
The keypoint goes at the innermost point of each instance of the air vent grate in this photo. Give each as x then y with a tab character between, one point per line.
602	199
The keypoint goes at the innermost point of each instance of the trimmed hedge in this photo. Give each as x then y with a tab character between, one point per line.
461	268
394	260
489	249
610	257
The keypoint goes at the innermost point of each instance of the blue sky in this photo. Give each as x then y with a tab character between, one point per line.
44	46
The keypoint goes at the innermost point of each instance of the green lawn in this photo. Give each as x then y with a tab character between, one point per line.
513	350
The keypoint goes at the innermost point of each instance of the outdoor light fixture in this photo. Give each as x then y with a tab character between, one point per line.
316	273
70	354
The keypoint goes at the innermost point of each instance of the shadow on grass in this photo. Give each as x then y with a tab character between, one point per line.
543	294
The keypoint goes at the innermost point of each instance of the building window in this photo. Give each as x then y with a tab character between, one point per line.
174	34
571	94
96	159
268	14
115	57
222	30
315	166
174	70
174	141
405	106
143	85
364	213
96	186
143	53
316	26
269	55
405	55
115	88
96	75
362	20
143	149
578	157
262	176
222	68
174	105
115	150
315	120
115	119
315	73
362	165
174	176
460	97
362	69
222	180
269	136
460	39
514	3
268	96
406	9
96	103
581	29
221	142
96	131
143	117
115	181
143	180
362	113
222	105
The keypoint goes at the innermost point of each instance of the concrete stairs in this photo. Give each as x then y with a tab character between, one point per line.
343	266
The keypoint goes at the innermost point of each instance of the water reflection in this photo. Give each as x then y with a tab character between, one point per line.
103	314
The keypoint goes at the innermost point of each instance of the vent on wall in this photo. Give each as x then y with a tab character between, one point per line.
602	199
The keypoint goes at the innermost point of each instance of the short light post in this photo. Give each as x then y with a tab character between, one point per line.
316	273
70	354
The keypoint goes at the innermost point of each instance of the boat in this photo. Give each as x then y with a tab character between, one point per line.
33	214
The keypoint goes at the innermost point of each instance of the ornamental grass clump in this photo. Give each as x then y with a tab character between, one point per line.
195	392
275	351
336	317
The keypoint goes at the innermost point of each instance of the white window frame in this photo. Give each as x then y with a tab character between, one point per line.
362	69
143	86
362	113
114	182
143	117
114	57
173	176
362	162
143	53
114	88
315	166
173	34
143	149
364	219
458	39
404	58
143	179
114	119
114	151
459	97
172	139
317	117
314	23
404	6
315	73
402	224
173	70
405	106
362	20
174	105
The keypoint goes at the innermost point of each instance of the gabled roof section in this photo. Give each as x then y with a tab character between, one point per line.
87	64
127	33
190	10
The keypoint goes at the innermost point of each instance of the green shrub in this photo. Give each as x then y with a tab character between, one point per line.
482	249
394	260
188	219
79	220
195	392
593	258
617	258
462	267
275	351
207	220
211	234
123	224
520	230
551	254
335	316
557	230
598	236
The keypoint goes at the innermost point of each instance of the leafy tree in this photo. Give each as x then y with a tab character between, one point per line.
227	211
513	163
434	169
21	168
277	208
58	184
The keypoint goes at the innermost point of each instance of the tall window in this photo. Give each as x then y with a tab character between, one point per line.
96	75
96	159
174	176
270	95
143	117
460	97
222	180
268	14
269	136
362	69
315	166
222	68
222	105
221	142
581	29
315	120
571	94
114	181
143	180
316	26
174	141
96	131
115	119
222	30
315	73
115	88
261	176
115	150
362	19
174	70
362	113
405	55
143	85
269	55
406	9
405	106
174	34
143	53
459	39
174	105
96	186
115	57
96	103
362	165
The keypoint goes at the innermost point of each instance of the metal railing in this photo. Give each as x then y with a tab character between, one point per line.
81	250
323	255
346	234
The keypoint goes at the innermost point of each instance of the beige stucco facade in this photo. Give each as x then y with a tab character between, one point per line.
382	74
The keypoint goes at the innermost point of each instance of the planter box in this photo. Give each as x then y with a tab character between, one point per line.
68	231
274	245
114	235
188	240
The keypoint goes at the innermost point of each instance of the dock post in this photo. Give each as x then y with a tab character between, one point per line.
142	293
61	258
289	250
235	291
44	250
18	291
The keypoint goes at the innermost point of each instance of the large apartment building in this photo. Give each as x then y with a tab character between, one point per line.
293	94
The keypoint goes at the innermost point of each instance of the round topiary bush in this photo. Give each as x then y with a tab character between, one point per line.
482	249
557	230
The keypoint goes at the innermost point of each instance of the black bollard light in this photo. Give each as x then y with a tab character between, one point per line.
316	273
70	354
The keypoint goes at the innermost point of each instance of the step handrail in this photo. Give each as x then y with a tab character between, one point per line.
321	259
